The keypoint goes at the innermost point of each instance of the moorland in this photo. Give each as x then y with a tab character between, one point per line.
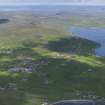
42	62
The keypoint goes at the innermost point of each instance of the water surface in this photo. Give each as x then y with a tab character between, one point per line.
82	8
93	34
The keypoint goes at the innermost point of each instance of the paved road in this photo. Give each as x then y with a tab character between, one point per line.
75	102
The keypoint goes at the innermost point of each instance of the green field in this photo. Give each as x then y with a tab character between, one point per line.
40	60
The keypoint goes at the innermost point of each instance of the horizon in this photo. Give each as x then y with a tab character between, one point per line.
53	4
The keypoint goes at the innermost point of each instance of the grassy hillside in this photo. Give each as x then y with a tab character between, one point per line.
40	61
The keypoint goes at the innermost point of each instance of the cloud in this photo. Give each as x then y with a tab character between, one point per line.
54	1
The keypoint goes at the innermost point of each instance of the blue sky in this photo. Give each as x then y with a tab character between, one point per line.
91	2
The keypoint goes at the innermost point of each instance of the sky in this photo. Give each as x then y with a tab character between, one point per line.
91	2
